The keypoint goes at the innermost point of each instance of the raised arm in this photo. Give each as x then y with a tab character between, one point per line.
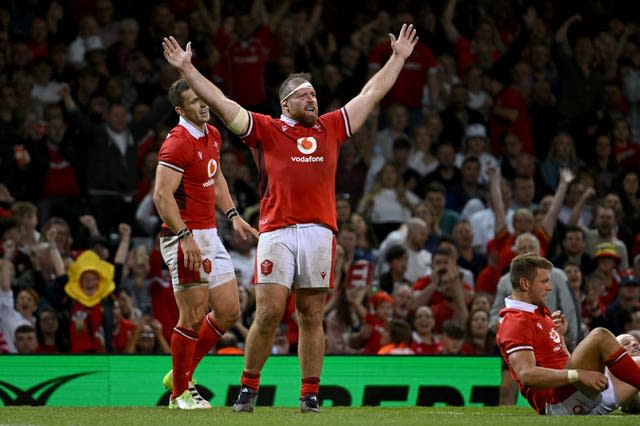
551	216
230	112
497	203
359	108
447	21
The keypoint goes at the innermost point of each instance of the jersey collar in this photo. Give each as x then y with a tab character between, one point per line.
290	121
517	304
193	130
510	303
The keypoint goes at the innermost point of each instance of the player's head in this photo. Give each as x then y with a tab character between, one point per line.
530	275
630	343
298	99
187	104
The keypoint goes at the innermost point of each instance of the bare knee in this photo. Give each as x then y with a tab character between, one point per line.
600	334
268	320
226	318
310	319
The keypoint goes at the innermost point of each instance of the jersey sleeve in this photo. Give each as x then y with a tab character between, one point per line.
254	129
173	154
338	121
515	334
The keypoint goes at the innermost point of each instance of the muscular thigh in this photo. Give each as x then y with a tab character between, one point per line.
224	299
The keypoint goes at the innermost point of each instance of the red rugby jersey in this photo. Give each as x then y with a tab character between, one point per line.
197	157
297	168
524	326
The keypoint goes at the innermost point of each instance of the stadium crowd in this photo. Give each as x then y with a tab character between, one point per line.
514	127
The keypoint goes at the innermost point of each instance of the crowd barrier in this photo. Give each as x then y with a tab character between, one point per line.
135	380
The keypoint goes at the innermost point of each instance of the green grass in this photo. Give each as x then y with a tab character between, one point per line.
268	416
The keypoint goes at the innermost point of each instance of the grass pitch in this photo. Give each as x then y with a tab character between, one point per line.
269	416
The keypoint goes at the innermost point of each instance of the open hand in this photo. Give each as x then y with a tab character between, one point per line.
405	42
175	55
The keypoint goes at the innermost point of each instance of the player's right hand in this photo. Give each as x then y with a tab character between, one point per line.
594	380
191	253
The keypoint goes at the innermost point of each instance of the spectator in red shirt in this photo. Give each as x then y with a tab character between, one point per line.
375	323
424	340
419	70
509	112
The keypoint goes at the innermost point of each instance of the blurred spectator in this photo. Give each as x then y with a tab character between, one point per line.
607	260
399	339
487	278
147	338
388	203
603	232
523	220
452	338
562	154
27	301
425	341
344	319
573	245
402	295
397	120
419	70
374	329
436	196
351	172
621	311
366	241
26	339
10	318
422	160
478	338
228	345
458	117
397	259
582	82
412	235
476	144
468	258
87	38
123	330
52	337
108	28
243	252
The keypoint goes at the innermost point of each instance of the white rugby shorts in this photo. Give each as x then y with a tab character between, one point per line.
216	267
580	404
299	256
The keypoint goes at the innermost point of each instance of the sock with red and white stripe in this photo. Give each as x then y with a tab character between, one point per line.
210	333
183	344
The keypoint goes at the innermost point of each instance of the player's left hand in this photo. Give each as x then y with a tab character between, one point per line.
176	55
560	321
405	42
243	228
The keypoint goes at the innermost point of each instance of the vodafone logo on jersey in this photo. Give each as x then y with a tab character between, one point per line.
307	146
212	168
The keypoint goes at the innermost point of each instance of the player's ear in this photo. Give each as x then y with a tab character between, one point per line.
524	284
179	111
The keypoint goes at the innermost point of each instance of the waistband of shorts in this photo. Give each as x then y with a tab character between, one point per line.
166	232
307	225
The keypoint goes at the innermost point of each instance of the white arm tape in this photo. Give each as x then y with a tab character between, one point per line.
239	124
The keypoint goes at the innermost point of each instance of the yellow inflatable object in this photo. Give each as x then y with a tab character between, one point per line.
90	261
